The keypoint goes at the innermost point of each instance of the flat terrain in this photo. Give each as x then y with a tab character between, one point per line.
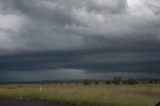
93	95
11	102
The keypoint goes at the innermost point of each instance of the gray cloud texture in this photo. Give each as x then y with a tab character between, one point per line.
38	25
116	34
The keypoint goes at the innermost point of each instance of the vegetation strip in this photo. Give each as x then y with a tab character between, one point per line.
94	95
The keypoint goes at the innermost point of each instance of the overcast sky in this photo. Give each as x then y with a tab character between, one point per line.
79	39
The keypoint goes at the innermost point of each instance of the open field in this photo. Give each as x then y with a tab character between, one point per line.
19	102
94	95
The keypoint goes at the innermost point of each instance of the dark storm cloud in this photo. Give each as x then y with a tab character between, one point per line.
88	35
92	62
68	25
110	6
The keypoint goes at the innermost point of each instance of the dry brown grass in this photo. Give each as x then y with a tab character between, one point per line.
104	95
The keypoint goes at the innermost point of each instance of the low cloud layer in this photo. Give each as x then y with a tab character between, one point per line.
79	65
118	35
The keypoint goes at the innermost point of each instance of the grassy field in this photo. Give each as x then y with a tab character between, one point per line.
94	95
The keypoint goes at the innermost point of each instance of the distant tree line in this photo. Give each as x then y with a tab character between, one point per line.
119	81
115	80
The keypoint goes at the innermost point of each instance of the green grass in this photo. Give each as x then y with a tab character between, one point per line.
94	95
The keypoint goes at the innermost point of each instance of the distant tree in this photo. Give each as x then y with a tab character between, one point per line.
155	81
86	82
107	82
132	82
96	82
150	81
124	81
117	80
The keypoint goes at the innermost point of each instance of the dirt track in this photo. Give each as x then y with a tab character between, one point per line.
10	102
